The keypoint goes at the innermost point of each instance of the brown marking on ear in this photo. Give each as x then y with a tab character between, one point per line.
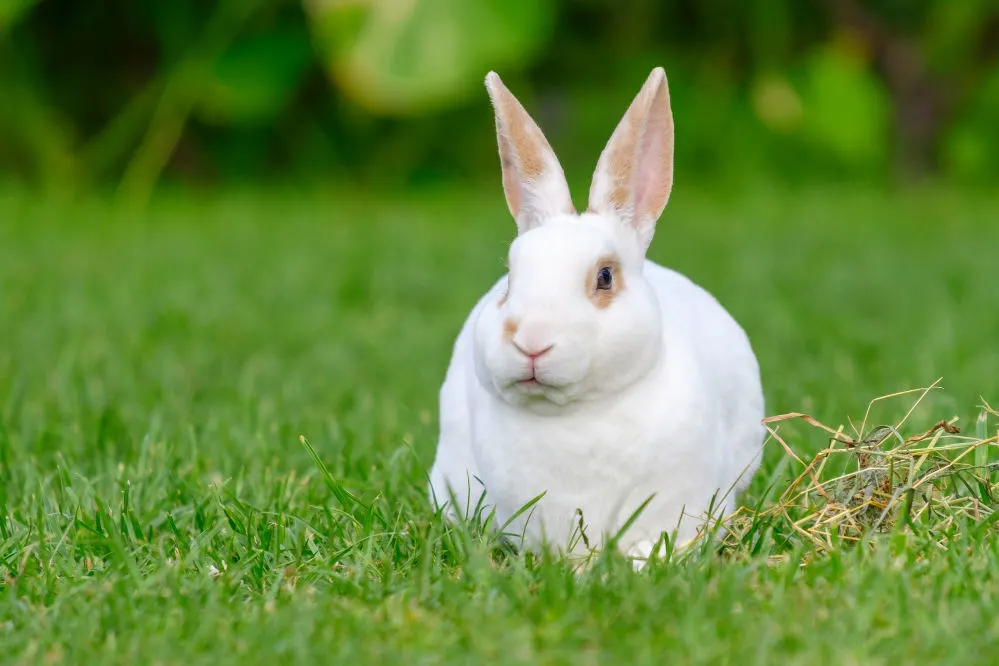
523	141
508	167
533	181
502	299
634	174
510	328
602	298
622	160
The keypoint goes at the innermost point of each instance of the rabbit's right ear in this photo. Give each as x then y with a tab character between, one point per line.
634	175
533	180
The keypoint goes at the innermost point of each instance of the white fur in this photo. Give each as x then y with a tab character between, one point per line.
657	394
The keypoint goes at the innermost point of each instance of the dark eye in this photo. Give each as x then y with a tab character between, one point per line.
604	278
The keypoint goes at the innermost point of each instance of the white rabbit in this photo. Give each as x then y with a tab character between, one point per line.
590	373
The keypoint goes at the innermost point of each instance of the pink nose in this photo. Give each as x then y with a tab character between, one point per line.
533	354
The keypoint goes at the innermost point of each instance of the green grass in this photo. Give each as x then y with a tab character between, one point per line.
156	374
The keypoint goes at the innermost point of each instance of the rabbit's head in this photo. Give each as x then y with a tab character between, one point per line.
578	319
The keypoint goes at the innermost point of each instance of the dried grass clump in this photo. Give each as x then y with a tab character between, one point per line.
928	482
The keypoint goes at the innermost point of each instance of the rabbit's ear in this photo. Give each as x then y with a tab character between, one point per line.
533	181
634	175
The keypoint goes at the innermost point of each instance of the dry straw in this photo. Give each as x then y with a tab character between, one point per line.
930	482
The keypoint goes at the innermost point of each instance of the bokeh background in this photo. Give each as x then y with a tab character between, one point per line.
130	96
239	237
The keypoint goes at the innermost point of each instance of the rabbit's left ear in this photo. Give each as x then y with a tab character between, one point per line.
533	180
634	175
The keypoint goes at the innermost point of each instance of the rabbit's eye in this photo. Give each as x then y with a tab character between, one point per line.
604	278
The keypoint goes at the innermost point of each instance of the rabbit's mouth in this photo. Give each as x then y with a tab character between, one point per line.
537	381
534	386
530	390
531	379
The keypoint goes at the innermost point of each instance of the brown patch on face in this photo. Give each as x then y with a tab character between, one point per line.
602	298
510	328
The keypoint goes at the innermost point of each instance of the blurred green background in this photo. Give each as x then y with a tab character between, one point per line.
129	96
326	206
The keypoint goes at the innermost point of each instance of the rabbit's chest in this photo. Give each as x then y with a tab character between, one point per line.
600	465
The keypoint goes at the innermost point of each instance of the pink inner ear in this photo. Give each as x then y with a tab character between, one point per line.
653	172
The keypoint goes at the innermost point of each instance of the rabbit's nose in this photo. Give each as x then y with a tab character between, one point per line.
532	354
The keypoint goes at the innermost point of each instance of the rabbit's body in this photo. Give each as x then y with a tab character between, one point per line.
687	430
589	373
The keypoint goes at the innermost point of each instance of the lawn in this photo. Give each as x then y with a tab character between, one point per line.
159	371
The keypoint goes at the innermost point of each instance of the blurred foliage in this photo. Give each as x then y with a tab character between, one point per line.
389	92
11	11
399	57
